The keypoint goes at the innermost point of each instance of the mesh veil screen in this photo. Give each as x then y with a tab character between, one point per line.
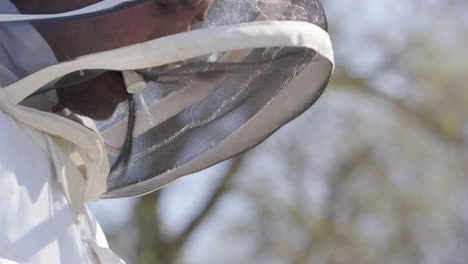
204	109
221	93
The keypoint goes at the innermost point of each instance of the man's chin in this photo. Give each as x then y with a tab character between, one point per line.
94	114
98	116
104	111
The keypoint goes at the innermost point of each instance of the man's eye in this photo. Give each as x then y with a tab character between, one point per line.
164	4
190	4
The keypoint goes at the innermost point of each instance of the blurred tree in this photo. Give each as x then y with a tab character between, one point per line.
156	247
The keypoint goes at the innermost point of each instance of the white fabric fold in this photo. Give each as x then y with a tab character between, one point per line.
184	46
83	146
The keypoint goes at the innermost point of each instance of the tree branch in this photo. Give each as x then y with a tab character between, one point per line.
430	124
327	228
151	246
222	187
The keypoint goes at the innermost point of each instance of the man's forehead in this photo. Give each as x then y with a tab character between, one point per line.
189	4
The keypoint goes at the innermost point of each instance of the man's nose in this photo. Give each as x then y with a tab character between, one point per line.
185	26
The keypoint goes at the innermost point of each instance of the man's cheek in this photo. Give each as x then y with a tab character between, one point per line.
97	98
168	26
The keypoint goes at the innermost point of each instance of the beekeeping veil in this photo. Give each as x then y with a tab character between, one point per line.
248	69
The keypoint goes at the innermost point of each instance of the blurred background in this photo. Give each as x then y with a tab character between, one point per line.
375	172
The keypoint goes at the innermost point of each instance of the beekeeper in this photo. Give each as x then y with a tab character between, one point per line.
115	98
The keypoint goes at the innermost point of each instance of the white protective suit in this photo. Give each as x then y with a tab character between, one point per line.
37	221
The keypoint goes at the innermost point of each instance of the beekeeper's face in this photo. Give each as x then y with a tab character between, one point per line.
145	21
148	20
